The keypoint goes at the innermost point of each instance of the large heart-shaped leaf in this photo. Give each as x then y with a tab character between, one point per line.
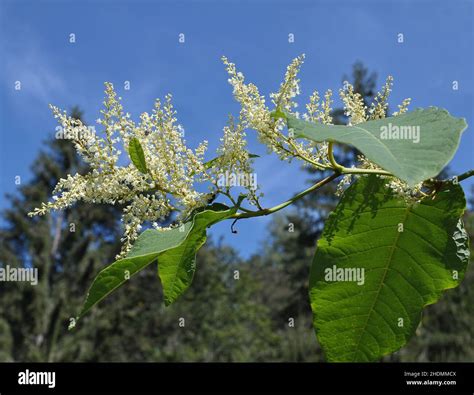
379	261
174	249
414	147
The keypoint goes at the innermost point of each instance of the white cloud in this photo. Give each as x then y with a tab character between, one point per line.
40	80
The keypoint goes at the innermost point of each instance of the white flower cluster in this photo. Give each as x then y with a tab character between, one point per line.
318	111
167	186
256	115
379	107
234	158
357	111
354	106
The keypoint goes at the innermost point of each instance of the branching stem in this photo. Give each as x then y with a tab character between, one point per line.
337	173
336	166
298	196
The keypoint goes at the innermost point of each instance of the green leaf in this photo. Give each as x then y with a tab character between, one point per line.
434	133
135	151
410	254
174	249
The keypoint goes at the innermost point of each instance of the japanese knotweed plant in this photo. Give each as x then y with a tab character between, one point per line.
392	245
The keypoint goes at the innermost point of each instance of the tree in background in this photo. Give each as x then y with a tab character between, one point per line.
63	247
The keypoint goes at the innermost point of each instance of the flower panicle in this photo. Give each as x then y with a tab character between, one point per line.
167	187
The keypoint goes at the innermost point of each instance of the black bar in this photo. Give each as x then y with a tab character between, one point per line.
214	377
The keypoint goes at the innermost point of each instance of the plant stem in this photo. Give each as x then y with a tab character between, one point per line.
346	170
297	155
332	160
338	170
235	203
298	196
229	196
467	174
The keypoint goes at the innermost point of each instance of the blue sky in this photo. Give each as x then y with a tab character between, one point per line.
137	41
